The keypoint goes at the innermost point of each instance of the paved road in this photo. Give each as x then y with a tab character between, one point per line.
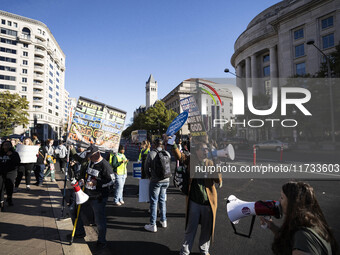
125	224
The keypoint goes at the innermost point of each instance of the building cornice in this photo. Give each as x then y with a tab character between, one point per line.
32	21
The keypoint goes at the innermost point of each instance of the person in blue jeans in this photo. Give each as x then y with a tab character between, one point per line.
119	162
40	165
158	185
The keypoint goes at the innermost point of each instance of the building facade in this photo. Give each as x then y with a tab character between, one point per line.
275	42
32	64
210	109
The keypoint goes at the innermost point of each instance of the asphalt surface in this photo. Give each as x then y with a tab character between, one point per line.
125	233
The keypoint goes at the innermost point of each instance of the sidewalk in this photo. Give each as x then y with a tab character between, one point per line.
32	225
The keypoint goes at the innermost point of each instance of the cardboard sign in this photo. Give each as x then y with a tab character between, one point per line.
27	153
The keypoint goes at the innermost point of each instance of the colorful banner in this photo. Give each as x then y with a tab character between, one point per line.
195	121
96	123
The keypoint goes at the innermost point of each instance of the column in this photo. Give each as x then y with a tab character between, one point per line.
273	66
248	73
253	68
239	81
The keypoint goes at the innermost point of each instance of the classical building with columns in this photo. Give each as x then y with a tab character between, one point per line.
274	45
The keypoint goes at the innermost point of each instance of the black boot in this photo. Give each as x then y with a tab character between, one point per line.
10	201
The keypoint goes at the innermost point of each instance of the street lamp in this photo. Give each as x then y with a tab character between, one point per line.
329	75
228	71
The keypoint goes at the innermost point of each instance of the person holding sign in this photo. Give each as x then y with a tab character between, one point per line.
119	163
27	162
9	161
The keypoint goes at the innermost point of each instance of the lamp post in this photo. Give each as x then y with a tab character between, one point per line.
329	75
228	71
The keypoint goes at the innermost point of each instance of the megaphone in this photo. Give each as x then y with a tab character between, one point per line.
238	209
227	152
81	197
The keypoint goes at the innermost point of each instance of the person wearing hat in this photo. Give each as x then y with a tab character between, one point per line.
98	179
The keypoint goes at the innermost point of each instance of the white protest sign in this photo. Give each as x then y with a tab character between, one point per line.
27	153
144	190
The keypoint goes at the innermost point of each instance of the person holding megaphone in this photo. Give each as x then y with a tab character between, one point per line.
304	230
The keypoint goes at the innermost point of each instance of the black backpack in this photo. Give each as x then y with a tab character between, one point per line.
162	164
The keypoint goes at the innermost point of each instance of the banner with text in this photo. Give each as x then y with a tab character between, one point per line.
96	123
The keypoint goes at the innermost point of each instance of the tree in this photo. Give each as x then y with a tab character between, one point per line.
334	64
13	112
155	119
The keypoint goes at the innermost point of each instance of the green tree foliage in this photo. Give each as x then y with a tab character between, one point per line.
13	112
156	119
334	64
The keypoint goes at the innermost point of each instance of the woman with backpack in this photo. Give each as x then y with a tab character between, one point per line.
119	163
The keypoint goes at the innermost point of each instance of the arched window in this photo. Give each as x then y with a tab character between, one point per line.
26	31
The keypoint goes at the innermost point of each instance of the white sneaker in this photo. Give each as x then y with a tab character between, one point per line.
164	224
150	228
118	204
122	202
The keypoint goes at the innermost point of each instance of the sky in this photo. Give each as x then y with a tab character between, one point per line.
112	46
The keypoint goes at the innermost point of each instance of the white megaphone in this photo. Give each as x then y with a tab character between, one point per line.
81	197
227	152
238	209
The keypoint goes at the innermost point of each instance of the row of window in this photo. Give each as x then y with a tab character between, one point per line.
9	87
7	77
6	31
7	50
8	41
8	68
9	23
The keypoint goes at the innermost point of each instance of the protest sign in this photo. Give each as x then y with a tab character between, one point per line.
177	123
195	121
27	153
96	123
137	170
144	190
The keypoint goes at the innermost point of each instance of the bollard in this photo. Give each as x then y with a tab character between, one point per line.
254	149
281	152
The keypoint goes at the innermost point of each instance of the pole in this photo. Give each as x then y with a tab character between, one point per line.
331	98
281	153
254	150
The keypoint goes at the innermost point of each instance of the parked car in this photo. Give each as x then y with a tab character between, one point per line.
272	145
237	142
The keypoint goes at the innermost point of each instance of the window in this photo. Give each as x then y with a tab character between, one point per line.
57	73
57	93
300	69
50	88
57	107
24	71
50	96
25	45
24	96
9	87
24	80
56	114
50	103
299	50
266	58
51	73
49	111
266	71
23	88
25	62
7	77
3	22
15	24
8	41
9	23
8	50
50	81
8	68
12	60
57	100
51	66
8	32
25	53
298	34
326	23
328	41
56	86
222	109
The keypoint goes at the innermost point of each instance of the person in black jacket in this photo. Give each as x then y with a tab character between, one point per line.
40	165
9	161
99	177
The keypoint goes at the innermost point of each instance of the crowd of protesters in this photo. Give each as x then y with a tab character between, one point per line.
304	231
